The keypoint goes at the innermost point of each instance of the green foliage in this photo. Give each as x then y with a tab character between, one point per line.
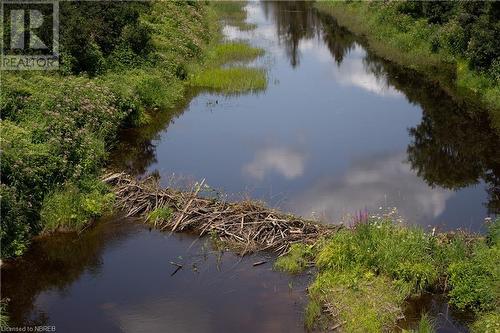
160	214
487	323
475	281
312	313
71	207
367	272
57	127
4	318
91	33
17	223
231	80
474	275
361	301
493	234
425	325
383	247
296	260
453	42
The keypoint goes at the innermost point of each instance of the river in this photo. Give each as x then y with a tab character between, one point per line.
337	131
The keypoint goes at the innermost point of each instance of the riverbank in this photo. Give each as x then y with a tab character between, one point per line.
367	273
453	44
58	128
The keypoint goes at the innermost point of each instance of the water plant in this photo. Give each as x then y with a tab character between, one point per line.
231	80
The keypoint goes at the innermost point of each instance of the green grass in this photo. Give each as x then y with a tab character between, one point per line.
366	273
72	207
410	42
232	52
425	325
296	260
233	13
358	301
231	80
234	79
487	323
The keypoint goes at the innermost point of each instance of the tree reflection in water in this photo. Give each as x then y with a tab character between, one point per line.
453	147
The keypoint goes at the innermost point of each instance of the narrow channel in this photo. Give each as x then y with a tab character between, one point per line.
337	131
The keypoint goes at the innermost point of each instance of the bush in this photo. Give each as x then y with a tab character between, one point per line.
483	47
91	32
71	207
474	281
17	223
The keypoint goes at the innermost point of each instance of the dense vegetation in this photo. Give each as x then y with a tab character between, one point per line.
455	42
119	63
366	273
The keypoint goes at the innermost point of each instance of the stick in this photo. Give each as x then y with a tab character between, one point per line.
258	263
187	206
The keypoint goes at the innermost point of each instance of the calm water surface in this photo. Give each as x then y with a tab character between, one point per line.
337	131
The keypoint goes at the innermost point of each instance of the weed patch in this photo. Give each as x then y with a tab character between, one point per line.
233	52
231	80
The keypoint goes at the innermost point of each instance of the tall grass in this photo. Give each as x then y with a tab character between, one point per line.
366	273
233	13
231	52
231	80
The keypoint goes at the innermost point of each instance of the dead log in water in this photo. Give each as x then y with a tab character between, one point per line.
246	226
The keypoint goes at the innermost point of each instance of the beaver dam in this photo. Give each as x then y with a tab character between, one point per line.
246	226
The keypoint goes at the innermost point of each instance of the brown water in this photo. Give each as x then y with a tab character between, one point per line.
337	131
118	277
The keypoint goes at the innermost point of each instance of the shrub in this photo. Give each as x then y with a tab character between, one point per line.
17	222
71	207
474	281
483	47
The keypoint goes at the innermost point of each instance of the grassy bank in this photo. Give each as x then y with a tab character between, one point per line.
57	128
365	274
454	43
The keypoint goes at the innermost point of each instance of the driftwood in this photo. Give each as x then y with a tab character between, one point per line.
246	226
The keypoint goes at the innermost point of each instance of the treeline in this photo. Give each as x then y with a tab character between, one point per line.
97	36
470	28
453	42
119	61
